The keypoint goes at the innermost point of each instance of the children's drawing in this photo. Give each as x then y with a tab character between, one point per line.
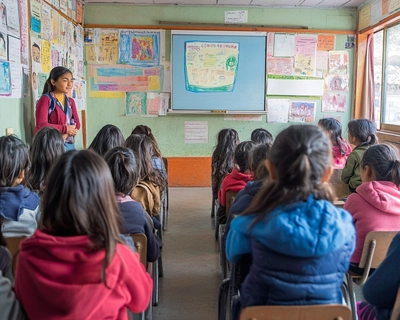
46	22
139	49
334	102
36	14
79	93
136	103
338	62
23	5
211	66
337	82
302	111
5	78
55	21
278	110
107	54
305	55
3	46
280	66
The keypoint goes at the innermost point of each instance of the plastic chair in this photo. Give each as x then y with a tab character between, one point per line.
13	245
396	308
308	312
376	245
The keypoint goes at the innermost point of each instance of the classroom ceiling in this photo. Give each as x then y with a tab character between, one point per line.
263	3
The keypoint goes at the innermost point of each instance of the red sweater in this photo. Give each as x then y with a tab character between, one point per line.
59	278
58	119
234	181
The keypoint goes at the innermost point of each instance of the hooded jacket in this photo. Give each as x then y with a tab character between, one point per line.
375	207
60	278
300	253
20	209
234	181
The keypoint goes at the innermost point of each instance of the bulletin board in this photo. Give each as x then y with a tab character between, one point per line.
218	71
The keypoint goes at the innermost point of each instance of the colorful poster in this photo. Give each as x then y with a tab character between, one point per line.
211	66
136	103
55	57
338	62
5	78
11	15
302	111
23	14
334	102
326	43
79	93
41	80
3	46
280	66
79	10
305	55
47	33
337	82
55	22
278	110
139	48
101	54
284	45
46	56
36	14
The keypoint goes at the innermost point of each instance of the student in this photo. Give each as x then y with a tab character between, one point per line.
222	158
77	266
340	148
237	179
122	164
56	109
362	134
5	256
151	181
47	146
262	136
18	205
107	138
157	157
10	308
375	206
381	288
300	242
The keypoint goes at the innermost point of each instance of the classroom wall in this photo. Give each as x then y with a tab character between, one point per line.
169	130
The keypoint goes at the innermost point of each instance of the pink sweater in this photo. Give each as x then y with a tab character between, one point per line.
375	207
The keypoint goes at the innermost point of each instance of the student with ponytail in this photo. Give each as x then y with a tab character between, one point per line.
56	109
299	241
375	206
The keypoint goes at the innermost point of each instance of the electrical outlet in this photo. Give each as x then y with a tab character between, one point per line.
9	131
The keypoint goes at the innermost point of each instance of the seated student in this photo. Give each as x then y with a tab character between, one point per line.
222	158
77	266
237	179
107	138
262	136
5	256
18	205
122	164
47	146
381	288
375	206
10	308
299	241
151	181
156	157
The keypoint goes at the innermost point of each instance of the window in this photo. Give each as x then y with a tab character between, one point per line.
387	78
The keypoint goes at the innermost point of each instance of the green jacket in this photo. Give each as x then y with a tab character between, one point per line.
351	174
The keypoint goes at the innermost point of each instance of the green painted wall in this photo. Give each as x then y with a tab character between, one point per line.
169	130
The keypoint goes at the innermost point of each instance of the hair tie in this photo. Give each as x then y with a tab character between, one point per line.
304	150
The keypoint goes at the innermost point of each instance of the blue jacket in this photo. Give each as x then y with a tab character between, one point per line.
381	287
300	253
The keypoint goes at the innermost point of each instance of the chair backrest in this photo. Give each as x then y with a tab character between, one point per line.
396	308
309	312
230	197
340	188
140	241
376	245
13	246
339	203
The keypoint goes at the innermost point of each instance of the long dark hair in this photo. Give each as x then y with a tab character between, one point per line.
143	148
384	160
47	145
123	169
262	136
242	155
334	128
55	73
301	154
257	161
14	159
107	138
222	157
79	200
143	129
363	130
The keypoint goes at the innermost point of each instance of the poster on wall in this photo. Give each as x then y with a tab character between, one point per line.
36	16
305	55
334	102
5	78
337	82
338	62
23	14
3	46
302	111
211	66
136	103
139	48
278	110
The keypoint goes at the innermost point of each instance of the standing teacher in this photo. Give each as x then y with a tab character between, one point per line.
56	109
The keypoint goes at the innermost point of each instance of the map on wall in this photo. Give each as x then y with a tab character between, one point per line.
211	66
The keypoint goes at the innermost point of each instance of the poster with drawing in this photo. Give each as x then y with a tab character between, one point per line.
139	48
79	93
211	66
11	11
3	46
36	16
302	111
338	62
278	110
280	66
337	82
5	78
47	33
305	55
23	14
136	103
334	102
